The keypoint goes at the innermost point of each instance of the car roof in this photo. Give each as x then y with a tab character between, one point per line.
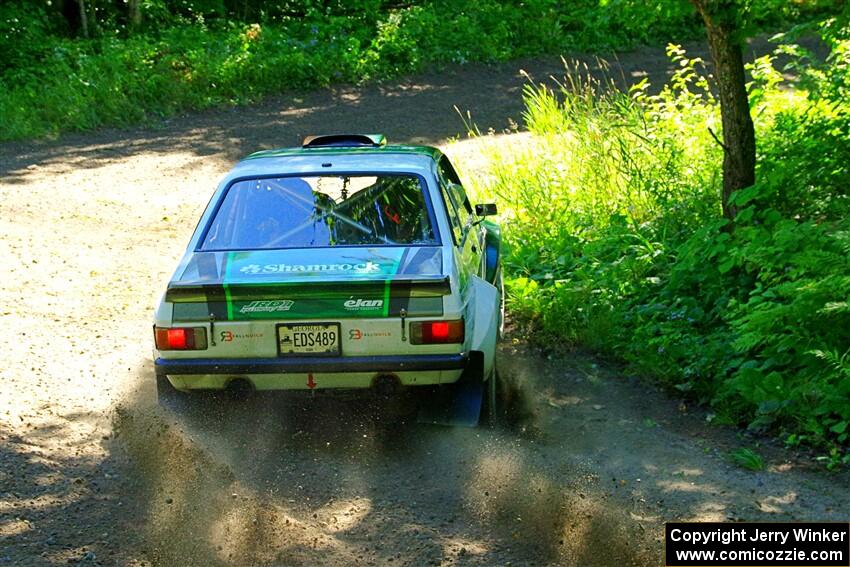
337	154
336	160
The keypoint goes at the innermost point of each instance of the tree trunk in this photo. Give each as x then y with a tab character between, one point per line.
739	138
135	13
94	28
84	20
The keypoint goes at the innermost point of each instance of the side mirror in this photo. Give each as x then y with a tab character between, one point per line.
486	210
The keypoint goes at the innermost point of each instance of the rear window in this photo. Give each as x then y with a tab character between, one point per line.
321	211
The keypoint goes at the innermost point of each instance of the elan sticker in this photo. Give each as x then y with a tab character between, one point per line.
363	304
272	306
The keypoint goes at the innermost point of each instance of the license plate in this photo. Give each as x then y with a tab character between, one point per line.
315	339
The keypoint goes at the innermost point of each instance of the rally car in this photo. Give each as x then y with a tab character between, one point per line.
345	264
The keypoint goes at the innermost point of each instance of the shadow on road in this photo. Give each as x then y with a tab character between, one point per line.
60	507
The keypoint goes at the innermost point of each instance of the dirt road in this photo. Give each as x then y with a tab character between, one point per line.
92	472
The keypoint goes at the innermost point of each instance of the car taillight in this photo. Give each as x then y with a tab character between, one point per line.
436	332
191	338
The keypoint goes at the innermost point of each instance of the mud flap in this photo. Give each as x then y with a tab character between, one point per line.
458	404
454	405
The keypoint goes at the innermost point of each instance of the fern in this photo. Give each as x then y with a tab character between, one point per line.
839	363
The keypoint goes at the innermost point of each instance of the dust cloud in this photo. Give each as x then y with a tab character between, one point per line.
266	481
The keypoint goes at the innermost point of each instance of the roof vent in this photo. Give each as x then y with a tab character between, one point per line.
345	141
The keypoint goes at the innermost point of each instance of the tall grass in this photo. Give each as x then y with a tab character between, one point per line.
615	240
606	179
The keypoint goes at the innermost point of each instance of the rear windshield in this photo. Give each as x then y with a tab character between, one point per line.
314	211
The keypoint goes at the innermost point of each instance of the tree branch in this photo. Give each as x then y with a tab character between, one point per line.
716	139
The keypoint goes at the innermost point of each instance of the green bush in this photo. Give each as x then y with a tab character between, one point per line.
615	240
26	33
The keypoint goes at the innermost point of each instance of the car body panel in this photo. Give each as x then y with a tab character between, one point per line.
485	315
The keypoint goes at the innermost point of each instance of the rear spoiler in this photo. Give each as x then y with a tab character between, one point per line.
344	141
419	286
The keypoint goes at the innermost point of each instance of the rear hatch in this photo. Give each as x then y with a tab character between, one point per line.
304	284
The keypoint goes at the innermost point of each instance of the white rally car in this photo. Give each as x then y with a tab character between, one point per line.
344	264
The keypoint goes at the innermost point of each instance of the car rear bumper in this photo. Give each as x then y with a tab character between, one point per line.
231	366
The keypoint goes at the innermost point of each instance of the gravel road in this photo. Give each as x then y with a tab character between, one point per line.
92	472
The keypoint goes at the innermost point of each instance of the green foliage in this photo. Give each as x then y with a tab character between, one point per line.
192	54
615	23
195	57
747	459
24	31
616	241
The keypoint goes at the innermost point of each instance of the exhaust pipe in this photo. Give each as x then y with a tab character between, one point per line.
239	388
386	385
